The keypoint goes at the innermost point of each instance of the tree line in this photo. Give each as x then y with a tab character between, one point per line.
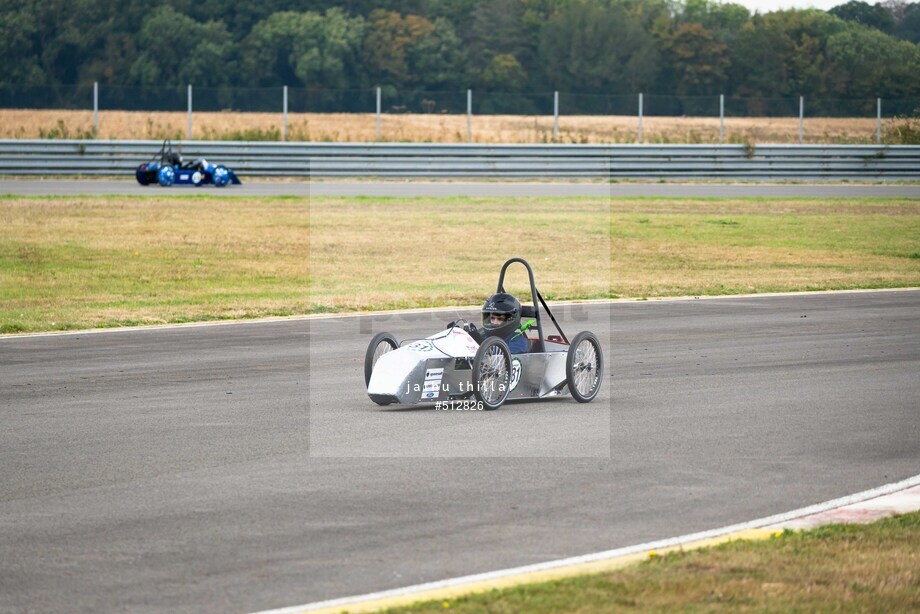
687	48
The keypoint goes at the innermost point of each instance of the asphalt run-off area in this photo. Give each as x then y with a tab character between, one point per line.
242	467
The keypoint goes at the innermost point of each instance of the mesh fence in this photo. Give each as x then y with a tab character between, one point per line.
446	102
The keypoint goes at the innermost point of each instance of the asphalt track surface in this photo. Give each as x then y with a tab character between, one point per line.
49	187
241	467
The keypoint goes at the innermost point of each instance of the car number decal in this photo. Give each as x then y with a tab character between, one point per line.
421	346
516	369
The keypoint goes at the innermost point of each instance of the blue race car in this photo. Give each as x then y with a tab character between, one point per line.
167	168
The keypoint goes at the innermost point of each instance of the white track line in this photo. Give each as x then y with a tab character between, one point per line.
362	314
608	554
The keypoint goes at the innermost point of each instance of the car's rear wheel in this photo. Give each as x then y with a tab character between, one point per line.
584	367
379	345
141	175
492	373
166	176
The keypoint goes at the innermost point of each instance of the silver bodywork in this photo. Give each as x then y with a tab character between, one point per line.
439	368
542	373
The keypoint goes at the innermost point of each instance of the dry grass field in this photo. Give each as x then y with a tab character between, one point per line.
431	252
355	127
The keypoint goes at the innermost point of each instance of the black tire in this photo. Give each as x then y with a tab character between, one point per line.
372	355
492	373
584	367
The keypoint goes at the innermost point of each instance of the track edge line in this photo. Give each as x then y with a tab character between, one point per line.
589	563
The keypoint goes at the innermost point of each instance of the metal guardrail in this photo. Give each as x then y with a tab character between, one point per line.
74	157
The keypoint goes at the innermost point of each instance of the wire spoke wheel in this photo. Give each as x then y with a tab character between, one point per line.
381	344
382	348
492	373
584	367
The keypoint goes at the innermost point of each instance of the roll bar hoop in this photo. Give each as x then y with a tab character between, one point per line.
536	297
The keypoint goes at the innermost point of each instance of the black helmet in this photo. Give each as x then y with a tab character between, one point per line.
506	306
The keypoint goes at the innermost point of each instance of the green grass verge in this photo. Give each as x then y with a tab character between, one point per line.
84	262
837	568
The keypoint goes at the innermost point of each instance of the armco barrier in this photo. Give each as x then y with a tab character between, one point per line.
897	162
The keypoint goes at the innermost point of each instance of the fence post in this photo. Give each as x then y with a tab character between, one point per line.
378	113
640	118
878	122
284	125
469	116
95	109
555	116
721	118
801	119
190	112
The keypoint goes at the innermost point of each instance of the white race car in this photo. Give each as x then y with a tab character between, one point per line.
452	365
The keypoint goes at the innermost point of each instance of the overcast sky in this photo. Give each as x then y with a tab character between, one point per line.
765	6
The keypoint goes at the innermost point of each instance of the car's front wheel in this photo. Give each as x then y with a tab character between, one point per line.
379	345
492	373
